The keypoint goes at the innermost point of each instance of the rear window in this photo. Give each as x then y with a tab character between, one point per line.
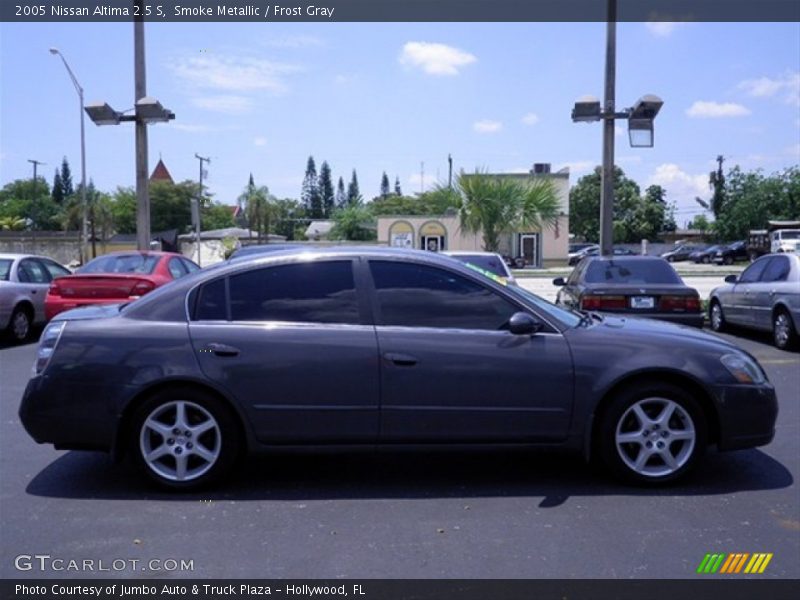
5	269
493	264
125	263
635	272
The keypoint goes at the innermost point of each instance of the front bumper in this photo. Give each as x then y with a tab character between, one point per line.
747	415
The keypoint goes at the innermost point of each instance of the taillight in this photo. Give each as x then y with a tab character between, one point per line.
603	302
55	289
679	303
143	287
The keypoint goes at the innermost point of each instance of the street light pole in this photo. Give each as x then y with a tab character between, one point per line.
607	193
142	191
84	203
197	212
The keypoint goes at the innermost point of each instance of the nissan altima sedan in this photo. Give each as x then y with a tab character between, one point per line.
382	346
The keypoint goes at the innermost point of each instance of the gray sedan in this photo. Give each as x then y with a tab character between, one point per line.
357	346
765	297
24	281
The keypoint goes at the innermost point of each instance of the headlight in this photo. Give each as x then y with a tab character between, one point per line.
47	345
743	368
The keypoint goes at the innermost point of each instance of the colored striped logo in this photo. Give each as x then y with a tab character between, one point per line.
741	562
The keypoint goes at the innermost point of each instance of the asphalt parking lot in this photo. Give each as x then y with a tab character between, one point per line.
493	514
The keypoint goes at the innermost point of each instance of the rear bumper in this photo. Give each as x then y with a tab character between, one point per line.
747	415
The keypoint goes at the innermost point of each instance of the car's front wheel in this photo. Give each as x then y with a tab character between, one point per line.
652	434
783	332
728	260
184	439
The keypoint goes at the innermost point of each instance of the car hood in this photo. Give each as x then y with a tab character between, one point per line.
104	311
668	333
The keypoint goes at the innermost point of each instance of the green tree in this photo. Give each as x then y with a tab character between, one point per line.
171	205
716	181
217	216
257	199
123	209
700	222
310	195
496	205
384	185
341	197
354	223
30	200
326	190
288	215
353	193
12	223
397	189
584	206
66	179
57	193
438	200
397	205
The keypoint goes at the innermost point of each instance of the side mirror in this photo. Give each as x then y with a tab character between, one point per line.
731	279
523	324
559	281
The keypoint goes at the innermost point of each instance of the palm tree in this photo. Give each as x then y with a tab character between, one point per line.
12	223
256	200
493	205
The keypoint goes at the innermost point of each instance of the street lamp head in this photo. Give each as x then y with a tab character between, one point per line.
647	107
102	114
150	110
640	121
586	109
54	51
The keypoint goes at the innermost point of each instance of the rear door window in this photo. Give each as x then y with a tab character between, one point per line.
32	271
176	268
777	269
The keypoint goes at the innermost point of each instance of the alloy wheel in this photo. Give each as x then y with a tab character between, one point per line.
20	326
655	437
180	441
717	322
782	330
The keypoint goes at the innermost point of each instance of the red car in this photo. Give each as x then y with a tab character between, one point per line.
114	278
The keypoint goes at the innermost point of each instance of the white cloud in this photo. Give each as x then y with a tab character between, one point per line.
662	28
714	110
226	104
681	187
578	166
787	87
487	126
342	79
530	119
435	59
260	141
233	73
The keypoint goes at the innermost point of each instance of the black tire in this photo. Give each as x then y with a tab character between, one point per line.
220	445
728	260
20	325
716	317
706	260
682	436
670	259
784	331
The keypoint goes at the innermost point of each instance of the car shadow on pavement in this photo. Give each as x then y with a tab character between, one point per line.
552	476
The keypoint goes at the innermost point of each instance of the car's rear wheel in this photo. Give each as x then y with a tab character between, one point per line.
783	331
652	434
716	317
19	326
706	260
184	439
728	260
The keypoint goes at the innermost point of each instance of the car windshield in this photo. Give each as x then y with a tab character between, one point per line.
5	269
635	272
487	262
790	235
121	263
567	317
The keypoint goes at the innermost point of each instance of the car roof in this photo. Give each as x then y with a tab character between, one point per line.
15	256
468	253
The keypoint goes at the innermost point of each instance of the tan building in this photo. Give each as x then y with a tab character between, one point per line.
443	232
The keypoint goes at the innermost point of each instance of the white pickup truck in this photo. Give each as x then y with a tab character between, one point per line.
784	240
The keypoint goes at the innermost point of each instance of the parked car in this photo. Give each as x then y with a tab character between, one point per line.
114	278
595	251
575	249
490	262
642	286
727	255
705	255
766	297
378	346
24	279
262	249
680	253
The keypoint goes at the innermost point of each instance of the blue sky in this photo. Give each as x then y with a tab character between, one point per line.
380	97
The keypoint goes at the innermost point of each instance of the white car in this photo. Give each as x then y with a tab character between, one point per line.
24	281
486	261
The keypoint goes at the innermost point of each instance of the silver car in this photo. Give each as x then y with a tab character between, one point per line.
24	280
765	297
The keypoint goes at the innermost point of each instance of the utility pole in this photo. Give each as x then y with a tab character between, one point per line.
450	171
35	164
422	177
607	193
142	183
196	214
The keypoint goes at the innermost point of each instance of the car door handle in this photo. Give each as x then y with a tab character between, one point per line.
401	360
33	291
222	349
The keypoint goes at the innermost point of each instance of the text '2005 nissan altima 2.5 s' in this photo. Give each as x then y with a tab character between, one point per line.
382	347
